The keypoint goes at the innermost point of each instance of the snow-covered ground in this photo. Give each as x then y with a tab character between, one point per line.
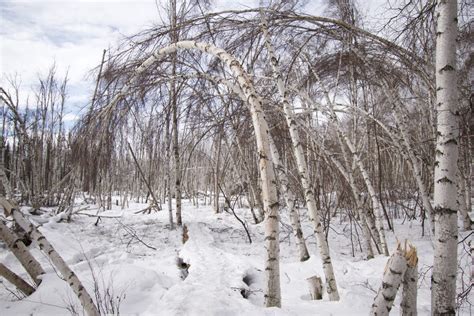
133	260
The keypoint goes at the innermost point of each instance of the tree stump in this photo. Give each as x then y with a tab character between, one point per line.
315	287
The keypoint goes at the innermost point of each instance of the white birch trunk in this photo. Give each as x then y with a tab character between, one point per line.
174	104
373	231
375	202
3	176
290	199
168	174
68	275
349	177
463	206
372	193
303	171
21	252
392	278
416	167
270	198
16	280
410	285
443	298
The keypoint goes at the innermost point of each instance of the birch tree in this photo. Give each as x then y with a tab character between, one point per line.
303	172
443	298
270	198
69	276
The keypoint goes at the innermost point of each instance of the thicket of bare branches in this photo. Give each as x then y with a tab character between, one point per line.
364	105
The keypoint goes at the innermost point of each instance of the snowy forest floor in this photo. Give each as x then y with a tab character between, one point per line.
131	262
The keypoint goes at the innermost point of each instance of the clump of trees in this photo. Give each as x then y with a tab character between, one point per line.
279	106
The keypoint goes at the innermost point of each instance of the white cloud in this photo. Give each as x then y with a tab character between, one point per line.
34	34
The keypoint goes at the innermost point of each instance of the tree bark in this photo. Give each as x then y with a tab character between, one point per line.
174	105
290	200
68	275
5	184
443	298
392	278
410	285
21	252
304	174
16	280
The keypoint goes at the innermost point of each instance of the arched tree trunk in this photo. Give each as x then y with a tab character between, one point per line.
269	192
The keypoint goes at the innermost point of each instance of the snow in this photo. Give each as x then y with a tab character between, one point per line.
132	258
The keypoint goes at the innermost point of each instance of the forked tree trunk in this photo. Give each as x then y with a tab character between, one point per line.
443	292
68	275
16	280
21	252
304	174
270	198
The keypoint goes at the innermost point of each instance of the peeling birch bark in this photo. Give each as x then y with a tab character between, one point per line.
443	281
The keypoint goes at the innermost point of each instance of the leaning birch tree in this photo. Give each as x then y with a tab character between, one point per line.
443	281
303	171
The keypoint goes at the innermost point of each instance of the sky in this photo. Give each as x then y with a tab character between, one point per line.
72	34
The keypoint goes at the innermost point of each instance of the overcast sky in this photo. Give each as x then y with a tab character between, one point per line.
34	34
